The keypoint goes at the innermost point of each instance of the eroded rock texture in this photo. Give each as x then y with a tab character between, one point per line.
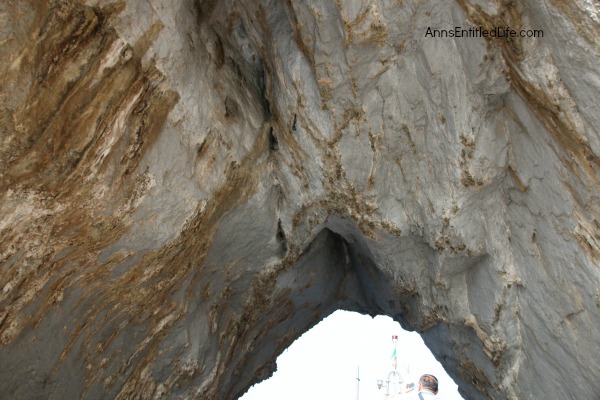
187	186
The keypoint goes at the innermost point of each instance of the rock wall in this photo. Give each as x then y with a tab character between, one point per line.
188	186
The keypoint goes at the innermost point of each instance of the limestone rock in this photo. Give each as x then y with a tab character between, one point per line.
188	186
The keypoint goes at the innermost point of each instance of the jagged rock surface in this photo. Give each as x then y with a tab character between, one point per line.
188	186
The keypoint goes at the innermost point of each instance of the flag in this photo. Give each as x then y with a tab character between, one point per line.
394	358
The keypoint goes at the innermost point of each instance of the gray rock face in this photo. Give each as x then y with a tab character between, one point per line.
188	186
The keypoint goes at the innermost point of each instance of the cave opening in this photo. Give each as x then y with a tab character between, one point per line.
326	361
344	270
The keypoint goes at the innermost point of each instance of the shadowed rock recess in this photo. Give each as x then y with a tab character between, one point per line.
188	186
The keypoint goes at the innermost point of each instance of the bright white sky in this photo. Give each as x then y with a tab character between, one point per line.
322	364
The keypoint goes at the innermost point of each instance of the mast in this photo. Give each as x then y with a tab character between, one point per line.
395	354
357	382
394	379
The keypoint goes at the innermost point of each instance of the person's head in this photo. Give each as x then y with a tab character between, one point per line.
429	382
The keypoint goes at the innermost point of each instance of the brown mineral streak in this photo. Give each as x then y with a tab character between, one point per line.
582	21
138	293
558	123
302	46
95	105
71	111
578	156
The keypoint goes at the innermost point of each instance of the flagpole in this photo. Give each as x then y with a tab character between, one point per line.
395	354
357	382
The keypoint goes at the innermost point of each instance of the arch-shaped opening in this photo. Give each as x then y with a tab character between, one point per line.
326	361
342	269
